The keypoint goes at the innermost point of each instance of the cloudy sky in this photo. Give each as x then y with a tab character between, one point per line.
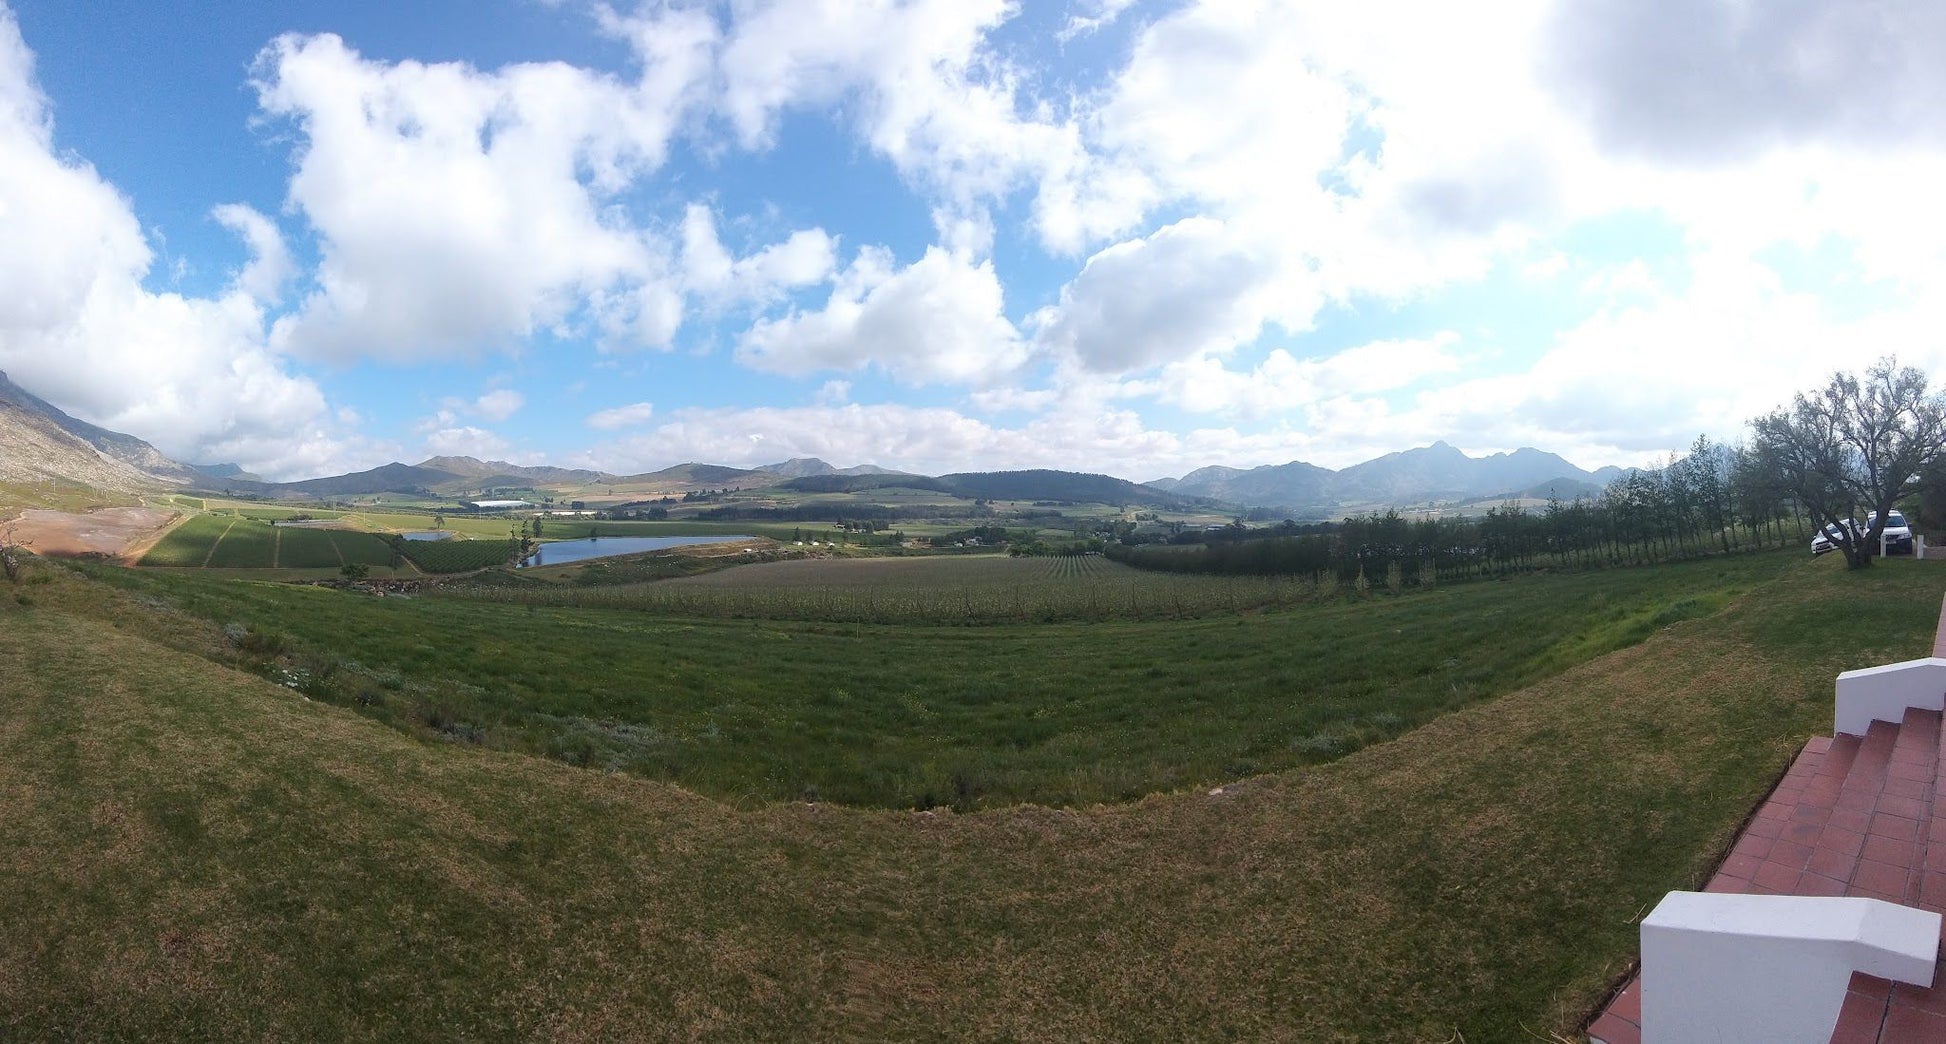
1107	235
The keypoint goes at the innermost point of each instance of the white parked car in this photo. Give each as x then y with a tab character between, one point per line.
1827	540
1897	536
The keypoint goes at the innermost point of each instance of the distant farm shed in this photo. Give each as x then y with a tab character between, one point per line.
494	505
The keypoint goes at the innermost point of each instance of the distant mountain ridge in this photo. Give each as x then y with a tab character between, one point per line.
1415	476
109	445
55	456
1032	485
805	467
693	474
226	471
501	473
39	442
1270	485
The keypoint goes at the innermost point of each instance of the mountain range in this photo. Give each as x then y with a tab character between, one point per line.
804	467
1438	472
39	442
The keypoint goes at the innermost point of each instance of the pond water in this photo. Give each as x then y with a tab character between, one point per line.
429	534
562	552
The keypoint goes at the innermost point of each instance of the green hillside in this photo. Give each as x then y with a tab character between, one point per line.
199	852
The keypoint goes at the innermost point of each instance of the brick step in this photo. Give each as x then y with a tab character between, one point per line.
1877	1010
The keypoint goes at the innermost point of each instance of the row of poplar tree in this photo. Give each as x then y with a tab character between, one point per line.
1716	499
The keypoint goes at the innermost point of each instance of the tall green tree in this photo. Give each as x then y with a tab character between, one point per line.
1706	477
1857	443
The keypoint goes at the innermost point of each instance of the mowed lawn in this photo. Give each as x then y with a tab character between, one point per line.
195	852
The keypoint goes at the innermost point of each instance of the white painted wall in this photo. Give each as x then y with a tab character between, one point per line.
1771	967
1884	693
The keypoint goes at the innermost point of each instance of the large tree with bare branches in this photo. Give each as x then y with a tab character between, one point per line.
1857	443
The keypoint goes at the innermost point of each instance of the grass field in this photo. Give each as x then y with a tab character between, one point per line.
370	520
897	715
974	589
59	495
195	852
398	522
281	514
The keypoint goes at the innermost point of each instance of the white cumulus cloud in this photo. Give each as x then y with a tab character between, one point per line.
465	441
499	404
806	258
461	211
1191	288
192	374
270	267
940	319
632	415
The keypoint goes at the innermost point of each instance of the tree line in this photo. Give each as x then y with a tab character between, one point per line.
1715	500
1856	446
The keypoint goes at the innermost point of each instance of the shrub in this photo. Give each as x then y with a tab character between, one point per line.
1321	744
256	641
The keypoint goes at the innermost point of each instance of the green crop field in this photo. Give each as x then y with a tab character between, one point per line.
193	852
247	544
456	556
408	521
367	519
251	543
190	543
281	514
362	548
299	548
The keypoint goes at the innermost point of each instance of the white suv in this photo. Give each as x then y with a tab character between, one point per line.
1898	535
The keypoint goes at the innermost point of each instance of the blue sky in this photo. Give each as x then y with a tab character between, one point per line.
1109	235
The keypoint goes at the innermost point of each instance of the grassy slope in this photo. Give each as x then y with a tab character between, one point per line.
192	851
903	716
59	495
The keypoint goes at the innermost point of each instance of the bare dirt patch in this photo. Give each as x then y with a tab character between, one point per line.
119	532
